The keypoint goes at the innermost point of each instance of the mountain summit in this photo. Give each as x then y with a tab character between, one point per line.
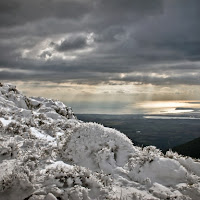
46	153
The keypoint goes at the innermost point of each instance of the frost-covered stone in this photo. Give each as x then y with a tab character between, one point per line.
46	153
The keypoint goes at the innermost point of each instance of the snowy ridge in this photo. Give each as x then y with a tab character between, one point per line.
46	153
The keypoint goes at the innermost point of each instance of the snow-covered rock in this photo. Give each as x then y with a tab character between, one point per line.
48	154
93	146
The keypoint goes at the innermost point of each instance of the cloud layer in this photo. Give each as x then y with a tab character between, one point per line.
100	42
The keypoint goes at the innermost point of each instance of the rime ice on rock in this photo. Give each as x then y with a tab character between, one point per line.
47	154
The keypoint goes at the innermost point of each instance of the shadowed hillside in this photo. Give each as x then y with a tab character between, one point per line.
191	148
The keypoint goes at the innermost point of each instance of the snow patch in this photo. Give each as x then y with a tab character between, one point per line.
5	122
40	135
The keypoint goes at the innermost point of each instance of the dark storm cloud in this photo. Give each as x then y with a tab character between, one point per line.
71	43
124	36
177	30
111	34
83	77
16	12
128	6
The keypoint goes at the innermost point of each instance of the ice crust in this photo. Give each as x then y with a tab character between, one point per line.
46	153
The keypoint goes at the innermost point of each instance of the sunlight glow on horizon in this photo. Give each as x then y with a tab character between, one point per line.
162	104
115	99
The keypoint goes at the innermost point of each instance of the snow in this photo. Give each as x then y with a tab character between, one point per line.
97	144
40	135
5	122
190	165
47	153
56	165
163	192
162	170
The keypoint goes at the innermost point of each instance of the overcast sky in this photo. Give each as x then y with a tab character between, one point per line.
114	51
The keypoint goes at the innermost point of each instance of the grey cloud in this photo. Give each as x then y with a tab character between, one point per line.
174	79
71	43
129	36
82	76
45	54
176	31
72	77
17	12
125	10
111	34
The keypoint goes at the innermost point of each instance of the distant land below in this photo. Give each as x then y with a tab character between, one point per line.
162	131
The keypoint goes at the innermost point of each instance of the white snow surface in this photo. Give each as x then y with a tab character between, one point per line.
46	153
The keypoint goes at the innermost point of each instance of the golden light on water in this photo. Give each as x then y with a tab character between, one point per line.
163	104
168	106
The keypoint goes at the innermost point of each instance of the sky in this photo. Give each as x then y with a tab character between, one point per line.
101	56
